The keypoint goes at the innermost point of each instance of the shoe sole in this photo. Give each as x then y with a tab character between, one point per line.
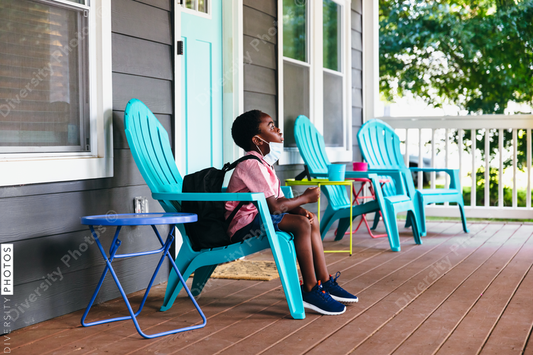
321	311
344	300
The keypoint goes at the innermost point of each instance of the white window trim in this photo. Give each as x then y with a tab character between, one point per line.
370	58
291	155
29	168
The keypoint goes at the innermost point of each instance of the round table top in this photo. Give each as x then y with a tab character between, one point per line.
139	219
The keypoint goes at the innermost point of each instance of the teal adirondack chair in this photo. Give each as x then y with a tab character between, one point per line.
313	151
380	147
151	151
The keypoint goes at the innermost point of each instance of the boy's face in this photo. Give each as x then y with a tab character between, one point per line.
269	132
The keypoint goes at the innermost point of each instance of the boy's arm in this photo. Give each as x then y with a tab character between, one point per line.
285	205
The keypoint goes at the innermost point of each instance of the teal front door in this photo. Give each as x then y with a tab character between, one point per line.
201	86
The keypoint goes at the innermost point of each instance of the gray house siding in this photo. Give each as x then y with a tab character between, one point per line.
57	265
357	75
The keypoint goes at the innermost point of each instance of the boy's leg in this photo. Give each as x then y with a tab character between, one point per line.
319	259
309	250
300	227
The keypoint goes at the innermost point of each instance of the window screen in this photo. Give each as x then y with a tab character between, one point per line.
43	77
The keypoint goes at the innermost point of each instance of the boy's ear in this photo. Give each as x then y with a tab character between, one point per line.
256	140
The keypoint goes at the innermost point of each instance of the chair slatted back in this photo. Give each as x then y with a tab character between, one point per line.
151	150
313	151
380	147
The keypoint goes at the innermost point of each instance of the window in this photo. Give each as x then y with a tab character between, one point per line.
197	7
55	90
43	86
313	75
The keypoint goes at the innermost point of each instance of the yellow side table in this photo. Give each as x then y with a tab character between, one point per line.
320	182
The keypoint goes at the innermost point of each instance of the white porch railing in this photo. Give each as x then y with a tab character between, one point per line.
437	137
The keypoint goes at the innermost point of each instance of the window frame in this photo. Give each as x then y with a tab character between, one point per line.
31	168
291	155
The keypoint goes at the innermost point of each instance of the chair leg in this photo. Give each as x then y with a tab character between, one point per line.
185	257
420	213
392	230
326	220
284	254
376	221
201	275
411	217
463	216
344	224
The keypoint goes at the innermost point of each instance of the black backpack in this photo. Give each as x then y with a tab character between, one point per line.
210	231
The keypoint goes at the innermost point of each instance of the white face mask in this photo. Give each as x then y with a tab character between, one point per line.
275	151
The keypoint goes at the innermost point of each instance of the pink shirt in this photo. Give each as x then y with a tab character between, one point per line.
250	176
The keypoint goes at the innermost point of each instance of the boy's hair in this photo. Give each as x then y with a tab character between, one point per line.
245	127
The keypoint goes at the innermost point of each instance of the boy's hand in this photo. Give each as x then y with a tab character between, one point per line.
309	215
312	194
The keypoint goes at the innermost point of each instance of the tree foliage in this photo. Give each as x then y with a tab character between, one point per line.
476	54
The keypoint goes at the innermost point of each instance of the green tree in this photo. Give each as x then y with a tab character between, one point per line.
476	54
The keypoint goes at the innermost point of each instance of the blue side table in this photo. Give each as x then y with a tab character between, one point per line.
139	219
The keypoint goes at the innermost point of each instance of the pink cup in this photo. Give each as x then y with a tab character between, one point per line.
358	166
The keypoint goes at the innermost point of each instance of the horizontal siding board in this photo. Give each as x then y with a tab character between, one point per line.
140	57
119	135
260	80
357	6
126	171
357	97
263	102
74	291
260	25
357	40
357	78
260	53
71	252
130	18
267	6
42	215
162	4
357	59
357	22
155	93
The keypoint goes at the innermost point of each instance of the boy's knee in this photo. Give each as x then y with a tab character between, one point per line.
304	224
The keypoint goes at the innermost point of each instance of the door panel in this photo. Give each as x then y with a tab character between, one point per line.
201	88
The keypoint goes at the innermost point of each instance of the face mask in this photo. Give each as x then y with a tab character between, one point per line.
275	151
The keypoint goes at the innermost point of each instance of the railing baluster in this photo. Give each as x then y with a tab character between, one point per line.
500	169
528	167
487	175
433	157
460	133
406	157
515	142
420	160
447	160
473	151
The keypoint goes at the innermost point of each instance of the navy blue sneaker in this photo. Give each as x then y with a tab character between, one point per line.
337	292
319	300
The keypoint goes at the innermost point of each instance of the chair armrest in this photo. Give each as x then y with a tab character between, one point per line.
396	175
455	182
209	196
287	191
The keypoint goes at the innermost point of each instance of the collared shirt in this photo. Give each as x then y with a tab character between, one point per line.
250	176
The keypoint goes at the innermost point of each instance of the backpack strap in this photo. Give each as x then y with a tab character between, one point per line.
229	166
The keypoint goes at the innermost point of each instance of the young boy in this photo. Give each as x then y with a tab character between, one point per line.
255	132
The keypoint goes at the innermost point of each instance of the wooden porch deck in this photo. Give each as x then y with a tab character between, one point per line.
455	294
